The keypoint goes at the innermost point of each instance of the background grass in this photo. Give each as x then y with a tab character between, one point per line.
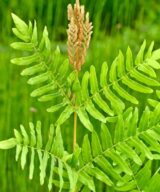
117	24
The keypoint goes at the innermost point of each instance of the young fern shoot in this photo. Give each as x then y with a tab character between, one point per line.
79	35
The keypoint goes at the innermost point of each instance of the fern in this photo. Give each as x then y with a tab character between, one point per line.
118	161
120	149
109	95
45	70
49	154
114	87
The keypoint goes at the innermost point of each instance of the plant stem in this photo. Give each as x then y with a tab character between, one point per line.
75	131
75	121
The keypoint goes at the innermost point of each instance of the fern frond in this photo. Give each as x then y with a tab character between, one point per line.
45	70
126	80
116	159
50	154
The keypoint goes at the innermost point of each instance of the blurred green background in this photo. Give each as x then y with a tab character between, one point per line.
117	24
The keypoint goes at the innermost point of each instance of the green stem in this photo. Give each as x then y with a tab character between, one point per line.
75	131
75	120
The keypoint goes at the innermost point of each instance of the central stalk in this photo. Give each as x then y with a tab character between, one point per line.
75	131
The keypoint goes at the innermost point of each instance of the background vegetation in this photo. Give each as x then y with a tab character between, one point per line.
117	24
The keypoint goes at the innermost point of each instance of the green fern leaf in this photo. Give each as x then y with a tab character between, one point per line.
126	75
122	160
117	164
47	71
52	154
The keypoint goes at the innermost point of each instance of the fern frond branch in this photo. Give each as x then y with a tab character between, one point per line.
45	70
52	75
114	146
110	84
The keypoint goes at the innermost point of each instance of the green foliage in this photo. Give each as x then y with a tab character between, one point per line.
121	162
121	147
50	153
126	80
45	70
109	96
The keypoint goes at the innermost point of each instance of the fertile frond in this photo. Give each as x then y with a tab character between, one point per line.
126	80
117	159
45	70
79	34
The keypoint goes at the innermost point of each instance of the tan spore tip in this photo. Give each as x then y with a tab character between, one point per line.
79	34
